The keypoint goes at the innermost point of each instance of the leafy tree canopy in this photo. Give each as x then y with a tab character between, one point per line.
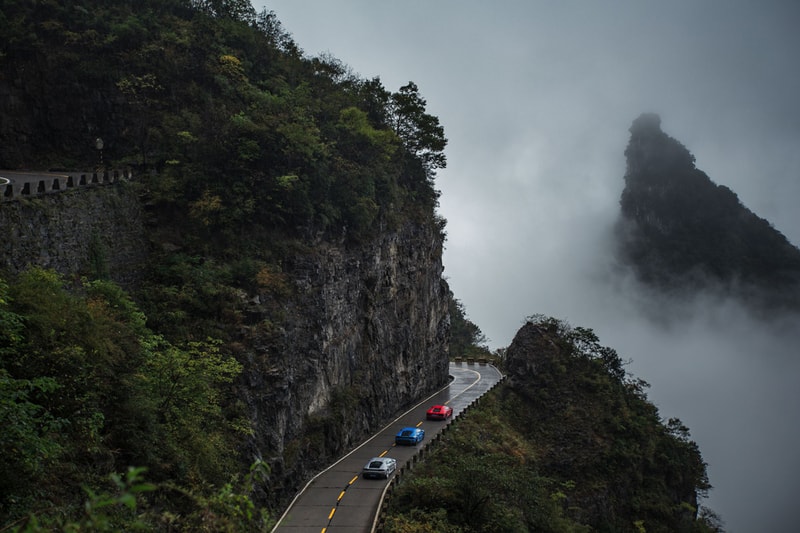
216	101
86	390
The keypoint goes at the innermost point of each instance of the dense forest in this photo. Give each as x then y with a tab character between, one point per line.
680	232
192	91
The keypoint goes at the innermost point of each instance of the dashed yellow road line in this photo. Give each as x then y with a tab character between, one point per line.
353	480
341	495
419	424
384	452
330	516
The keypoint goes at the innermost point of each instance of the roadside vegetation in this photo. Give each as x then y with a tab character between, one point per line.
568	443
86	388
466	338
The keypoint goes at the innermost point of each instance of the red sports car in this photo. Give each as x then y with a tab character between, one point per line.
439	412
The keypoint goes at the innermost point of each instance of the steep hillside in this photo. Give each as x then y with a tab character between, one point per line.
568	443
680	231
279	250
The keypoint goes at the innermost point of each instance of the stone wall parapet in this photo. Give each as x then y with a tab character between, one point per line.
30	184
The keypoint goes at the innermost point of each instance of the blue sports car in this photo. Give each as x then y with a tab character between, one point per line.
409	436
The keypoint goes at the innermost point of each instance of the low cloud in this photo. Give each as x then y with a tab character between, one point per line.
732	378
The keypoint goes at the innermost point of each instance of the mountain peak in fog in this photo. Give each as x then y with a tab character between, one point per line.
681	232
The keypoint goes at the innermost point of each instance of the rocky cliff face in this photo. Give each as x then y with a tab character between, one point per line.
366	335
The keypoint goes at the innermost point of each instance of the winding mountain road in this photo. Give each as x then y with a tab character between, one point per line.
339	500
20	177
16	184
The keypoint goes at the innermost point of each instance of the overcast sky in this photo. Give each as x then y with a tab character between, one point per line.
536	98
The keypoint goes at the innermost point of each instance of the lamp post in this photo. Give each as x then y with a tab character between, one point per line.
98	143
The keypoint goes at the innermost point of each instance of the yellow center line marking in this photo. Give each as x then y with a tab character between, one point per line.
324	529
353	480
383	453
341	495
418	425
330	516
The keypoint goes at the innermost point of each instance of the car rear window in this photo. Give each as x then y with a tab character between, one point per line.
375	464
406	433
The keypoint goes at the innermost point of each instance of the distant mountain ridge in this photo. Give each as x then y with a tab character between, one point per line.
680	232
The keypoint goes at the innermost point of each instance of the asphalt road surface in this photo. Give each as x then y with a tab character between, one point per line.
19	177
339	500
34	182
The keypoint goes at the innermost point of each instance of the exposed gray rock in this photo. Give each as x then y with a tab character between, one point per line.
366	335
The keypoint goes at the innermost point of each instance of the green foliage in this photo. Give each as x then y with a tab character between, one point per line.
229	509
466	338
97	258
182	387
191	297
86	387
482	477
122	508
421	521
215	101
571	444
420	131
106	511
27	445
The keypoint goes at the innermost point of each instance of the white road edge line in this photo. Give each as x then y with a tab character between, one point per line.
386	488
310	481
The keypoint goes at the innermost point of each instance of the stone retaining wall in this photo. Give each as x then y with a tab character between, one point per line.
49	183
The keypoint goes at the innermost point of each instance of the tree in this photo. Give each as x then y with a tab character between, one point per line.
466	338
26	446
240	10
143	95
421	133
